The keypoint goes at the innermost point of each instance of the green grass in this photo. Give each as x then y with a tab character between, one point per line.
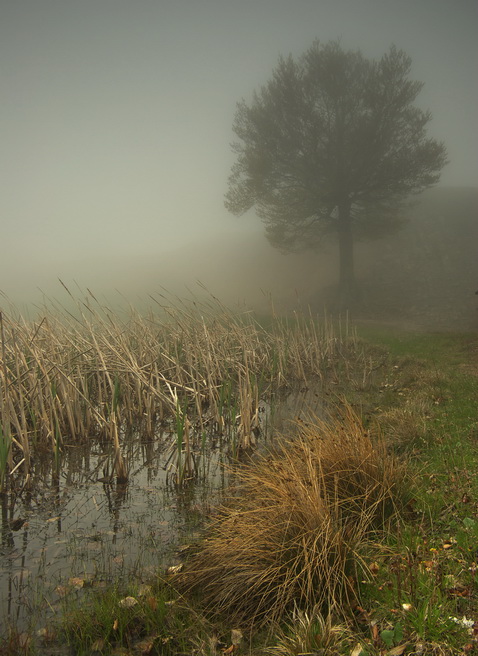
422	591
431	564
441	348
141	618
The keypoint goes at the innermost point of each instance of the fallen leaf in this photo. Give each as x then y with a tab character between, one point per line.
428	564
374	568
175	569
128	602
397	651
76	582
152	602
460	591
115	625
145	647
464	622
46	633
17	524
362	615
357	650
236	636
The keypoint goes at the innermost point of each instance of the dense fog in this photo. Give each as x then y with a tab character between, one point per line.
117	123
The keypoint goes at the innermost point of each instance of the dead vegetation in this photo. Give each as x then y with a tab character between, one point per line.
74	375
295	533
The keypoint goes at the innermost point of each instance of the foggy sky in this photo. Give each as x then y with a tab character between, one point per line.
116	118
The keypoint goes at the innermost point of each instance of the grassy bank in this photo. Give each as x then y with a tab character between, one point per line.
403	583
425	581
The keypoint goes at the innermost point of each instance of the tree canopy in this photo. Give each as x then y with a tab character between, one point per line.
332	145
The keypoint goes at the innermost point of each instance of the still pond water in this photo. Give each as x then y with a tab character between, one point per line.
76	530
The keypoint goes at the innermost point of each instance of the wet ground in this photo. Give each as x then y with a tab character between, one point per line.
75	531
78	529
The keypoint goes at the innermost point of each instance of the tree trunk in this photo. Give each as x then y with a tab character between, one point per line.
348	292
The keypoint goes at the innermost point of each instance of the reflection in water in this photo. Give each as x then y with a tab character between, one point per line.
78	526
82	525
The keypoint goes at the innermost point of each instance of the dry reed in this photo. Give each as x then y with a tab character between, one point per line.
75	375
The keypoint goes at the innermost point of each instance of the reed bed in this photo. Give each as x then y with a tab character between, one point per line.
296	530
73	375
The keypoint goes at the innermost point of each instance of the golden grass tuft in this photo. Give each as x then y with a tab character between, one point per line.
294	532
311	633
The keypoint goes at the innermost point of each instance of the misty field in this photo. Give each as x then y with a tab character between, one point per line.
351	530
71	377
93	396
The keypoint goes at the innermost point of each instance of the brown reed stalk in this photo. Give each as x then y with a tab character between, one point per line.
64	367
7	458
119	465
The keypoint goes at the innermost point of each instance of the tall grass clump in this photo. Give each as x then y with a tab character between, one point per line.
294	531
311	633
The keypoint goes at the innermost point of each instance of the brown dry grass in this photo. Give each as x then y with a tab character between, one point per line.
73	376
295	531
405	427
311	633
